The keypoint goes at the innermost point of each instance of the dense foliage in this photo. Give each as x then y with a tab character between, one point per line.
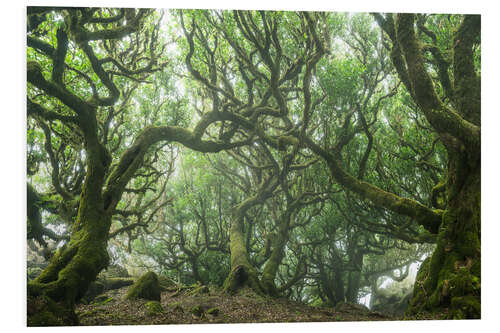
305	154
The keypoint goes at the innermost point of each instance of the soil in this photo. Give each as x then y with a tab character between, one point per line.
209	305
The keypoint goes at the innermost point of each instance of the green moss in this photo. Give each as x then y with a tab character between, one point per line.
95	288
117	282
241	276
90	313
146	287
176	306
197	310
464	283
465	307
450	276
420	291
199	289
153	308
242	272
42	311
102	300
213	311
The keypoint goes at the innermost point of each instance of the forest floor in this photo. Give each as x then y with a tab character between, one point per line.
191	306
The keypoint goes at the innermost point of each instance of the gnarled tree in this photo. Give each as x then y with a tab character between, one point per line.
80	63
440	68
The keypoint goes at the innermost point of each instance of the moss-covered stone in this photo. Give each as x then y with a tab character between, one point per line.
153	308
146	287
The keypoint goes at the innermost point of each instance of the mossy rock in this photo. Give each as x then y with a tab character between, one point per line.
146	287
153	308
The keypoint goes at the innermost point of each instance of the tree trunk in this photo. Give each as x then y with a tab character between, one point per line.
354	278
53	294
451	278
242	272
272	265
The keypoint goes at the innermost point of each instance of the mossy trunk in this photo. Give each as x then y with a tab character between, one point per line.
273	263
451	279
242	271
71	271
53	294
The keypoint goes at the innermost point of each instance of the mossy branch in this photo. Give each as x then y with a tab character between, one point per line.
132	158
430	219
442	118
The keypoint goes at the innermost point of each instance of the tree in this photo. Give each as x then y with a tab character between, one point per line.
191	242
439	65
379	125
253	91
75	57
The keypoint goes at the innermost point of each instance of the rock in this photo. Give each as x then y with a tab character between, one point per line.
153	308
146	287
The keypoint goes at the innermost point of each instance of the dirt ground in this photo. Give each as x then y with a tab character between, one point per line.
195	306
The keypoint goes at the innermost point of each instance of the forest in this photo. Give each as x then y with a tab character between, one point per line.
313	166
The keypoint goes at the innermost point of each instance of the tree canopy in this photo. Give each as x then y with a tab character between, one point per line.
310	155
